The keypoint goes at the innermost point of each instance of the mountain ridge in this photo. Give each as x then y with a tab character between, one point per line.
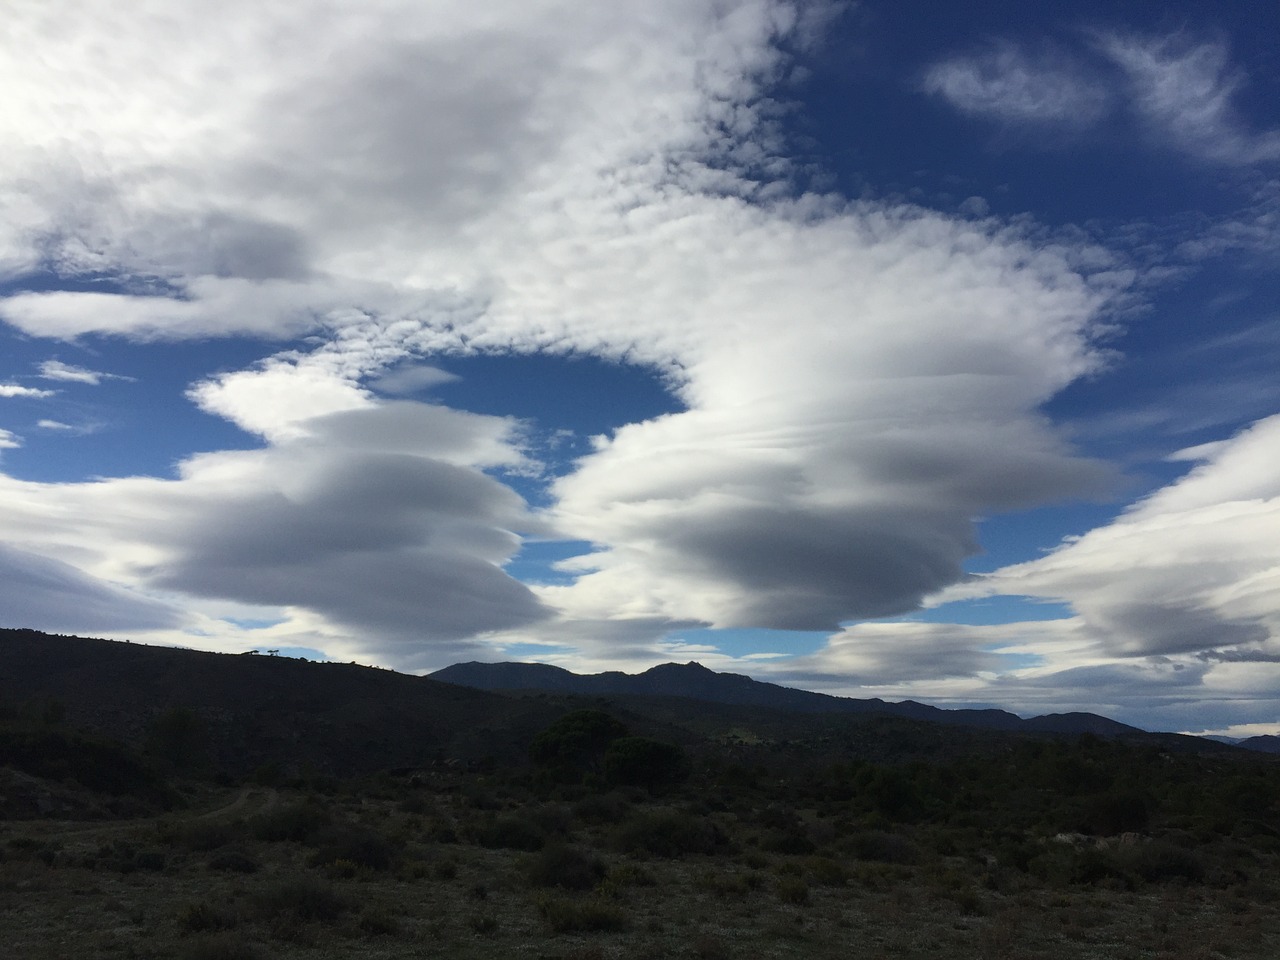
697	682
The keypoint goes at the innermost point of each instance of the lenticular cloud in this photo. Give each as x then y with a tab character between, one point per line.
858	381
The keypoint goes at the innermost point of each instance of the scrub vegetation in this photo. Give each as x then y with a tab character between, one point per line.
605	838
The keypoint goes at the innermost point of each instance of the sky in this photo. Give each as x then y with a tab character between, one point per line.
902	349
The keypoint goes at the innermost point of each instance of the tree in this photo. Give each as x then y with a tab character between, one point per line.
641	762
577	741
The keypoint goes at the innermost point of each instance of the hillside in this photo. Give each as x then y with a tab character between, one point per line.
696	682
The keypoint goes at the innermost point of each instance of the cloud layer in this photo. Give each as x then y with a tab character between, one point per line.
370	187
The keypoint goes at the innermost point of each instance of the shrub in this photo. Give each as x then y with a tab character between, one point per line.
378	923
576	742
295	821
610	807
510	833
233	861
1158	862
668	833
581	916
300	898
792	842
204	917
827	872
483	924
567	867
641	762
221	947
792	890
355	844
198	835
881	847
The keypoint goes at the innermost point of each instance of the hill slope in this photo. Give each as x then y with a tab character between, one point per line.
696	682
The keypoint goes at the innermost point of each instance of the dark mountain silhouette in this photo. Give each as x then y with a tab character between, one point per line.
1267	743
329	717
230	714
696	682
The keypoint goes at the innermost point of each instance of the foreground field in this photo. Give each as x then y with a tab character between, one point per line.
475	866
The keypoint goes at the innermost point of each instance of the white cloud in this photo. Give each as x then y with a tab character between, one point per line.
1184	90
1007	83
1191	569
860	380
375	520
57	370
9	440
17	390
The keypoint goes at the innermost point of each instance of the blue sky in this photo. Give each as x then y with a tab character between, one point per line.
889	349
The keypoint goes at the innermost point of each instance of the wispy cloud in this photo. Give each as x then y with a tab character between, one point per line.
57	370
1184	90
9	440
18	390
1008	83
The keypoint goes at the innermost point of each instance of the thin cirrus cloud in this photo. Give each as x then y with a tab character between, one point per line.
1184	91
1008	83
1180	88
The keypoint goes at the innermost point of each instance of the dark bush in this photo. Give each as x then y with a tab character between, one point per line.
179	738
791	842
204	917
610	807
576	743
296	821
510	833
1159	862
1116	812
355	844
198	835
233	861
300	898
582	916
668	833
568	867
641	762
226	946
881	847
